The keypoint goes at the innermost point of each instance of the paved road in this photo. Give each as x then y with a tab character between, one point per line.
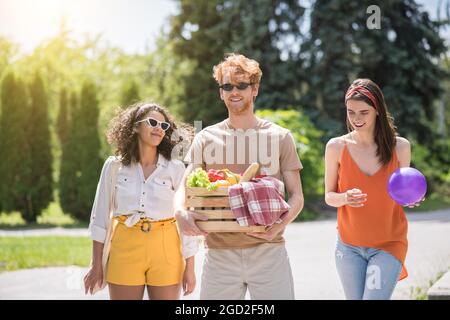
310	246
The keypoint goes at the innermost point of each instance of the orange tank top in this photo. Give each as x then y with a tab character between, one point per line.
381	223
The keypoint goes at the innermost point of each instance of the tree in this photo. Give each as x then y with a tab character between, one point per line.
198	39
163	77
40	189
8	51
206	30
62	120
14	123
70	168
130	93
270	33
89	157
81	163
399	56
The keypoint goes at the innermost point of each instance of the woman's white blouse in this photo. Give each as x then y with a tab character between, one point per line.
139	197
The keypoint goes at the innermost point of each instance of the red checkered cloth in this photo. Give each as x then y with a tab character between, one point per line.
258	202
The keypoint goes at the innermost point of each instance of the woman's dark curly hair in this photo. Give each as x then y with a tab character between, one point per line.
122	132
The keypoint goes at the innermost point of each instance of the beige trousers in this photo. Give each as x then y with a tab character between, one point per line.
264	270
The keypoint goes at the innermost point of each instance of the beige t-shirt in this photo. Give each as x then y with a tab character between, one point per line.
220	146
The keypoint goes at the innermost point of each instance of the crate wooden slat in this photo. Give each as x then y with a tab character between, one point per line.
217	214
203	192
215	205
214	202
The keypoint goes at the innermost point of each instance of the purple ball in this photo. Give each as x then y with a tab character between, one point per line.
407	186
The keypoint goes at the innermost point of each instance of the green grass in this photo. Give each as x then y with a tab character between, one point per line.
421	293
34	252
53	216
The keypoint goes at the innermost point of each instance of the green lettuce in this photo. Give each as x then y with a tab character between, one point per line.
199	178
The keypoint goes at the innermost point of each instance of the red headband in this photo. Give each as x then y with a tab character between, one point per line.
365	92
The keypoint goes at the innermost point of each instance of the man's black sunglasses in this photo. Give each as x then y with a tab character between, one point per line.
230	87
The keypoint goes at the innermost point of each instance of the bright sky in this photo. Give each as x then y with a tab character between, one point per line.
130	24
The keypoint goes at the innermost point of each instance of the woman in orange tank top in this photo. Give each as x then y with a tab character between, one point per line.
372	228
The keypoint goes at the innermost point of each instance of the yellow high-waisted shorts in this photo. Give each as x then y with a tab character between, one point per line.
148	253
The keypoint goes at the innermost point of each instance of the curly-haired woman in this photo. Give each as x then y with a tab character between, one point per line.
146	250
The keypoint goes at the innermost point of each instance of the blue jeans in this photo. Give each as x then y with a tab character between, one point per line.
366	273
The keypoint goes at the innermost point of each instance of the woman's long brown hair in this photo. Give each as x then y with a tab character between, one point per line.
385	130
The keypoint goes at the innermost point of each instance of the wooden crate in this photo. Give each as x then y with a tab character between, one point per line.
215	205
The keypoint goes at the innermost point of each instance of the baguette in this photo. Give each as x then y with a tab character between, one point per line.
250	172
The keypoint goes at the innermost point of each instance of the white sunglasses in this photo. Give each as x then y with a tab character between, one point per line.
155	123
